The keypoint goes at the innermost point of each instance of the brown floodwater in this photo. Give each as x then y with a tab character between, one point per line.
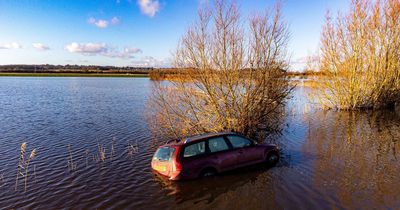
330	160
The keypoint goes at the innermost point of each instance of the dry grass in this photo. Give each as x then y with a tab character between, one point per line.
23	165
361	54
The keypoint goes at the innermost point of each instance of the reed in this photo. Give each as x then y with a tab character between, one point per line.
1	179
112	148
20	163
31	157
23	165
132	148
71	164
101	153
87	158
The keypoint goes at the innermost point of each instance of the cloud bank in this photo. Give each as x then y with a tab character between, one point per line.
149	61
86	48
13	45
40	46
149	7
102	49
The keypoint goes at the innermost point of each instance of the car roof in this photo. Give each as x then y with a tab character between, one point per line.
195	138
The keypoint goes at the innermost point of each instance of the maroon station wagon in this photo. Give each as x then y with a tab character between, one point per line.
210	154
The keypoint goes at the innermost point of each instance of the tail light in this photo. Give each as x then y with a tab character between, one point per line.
176	164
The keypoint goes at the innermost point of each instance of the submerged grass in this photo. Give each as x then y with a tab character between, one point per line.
2	182
71	164
132	148
101	153
26	158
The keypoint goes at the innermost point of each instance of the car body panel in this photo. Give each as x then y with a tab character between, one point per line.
191	167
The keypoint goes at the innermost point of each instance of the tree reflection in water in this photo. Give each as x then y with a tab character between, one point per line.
358	159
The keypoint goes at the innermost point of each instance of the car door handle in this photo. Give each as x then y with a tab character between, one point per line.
240	151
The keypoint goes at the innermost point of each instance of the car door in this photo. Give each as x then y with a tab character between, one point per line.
194	158
221	153
245	148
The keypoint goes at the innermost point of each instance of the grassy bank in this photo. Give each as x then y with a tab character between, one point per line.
69	75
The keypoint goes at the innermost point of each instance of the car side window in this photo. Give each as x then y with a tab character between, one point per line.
195	149
217	144
239	142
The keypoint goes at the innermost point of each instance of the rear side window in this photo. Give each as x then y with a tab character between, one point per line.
217	144
195	149
164	153
239	142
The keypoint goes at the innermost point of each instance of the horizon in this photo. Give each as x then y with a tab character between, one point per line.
134	33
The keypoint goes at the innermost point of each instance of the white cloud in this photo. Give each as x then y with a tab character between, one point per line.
149	61
86	48
40	46
13	45
91	20
115	20
132	50
126	53
100	23
149	7
101	49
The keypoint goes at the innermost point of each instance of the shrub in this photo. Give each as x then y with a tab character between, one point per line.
232	77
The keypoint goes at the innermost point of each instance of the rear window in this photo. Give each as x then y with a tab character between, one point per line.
195	149
217	144
164	153
239	142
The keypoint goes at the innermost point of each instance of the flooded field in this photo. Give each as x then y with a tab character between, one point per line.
330	160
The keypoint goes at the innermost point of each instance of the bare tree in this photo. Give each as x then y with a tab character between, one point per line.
361	53
232	77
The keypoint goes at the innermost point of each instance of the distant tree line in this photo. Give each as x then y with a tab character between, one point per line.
47	68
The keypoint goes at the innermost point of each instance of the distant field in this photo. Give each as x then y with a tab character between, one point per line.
69	75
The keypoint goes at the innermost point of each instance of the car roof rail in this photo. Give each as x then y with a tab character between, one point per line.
172	141
205	135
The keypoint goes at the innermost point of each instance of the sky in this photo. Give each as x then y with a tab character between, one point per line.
132	32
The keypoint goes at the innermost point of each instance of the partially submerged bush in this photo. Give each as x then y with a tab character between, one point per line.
233	77
361	53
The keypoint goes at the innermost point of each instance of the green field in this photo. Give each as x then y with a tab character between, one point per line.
69	75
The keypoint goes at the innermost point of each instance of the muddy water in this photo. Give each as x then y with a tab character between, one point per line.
330	160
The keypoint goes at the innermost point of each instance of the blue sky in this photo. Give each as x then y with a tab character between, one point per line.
130	32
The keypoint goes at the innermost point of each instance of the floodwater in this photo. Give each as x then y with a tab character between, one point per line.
330	160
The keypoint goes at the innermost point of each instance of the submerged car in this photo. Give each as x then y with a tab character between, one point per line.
210	154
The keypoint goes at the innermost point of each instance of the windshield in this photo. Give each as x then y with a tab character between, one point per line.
164	154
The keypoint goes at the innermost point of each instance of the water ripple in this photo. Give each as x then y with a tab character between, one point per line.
330	160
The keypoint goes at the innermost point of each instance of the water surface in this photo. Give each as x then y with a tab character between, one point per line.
329	160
